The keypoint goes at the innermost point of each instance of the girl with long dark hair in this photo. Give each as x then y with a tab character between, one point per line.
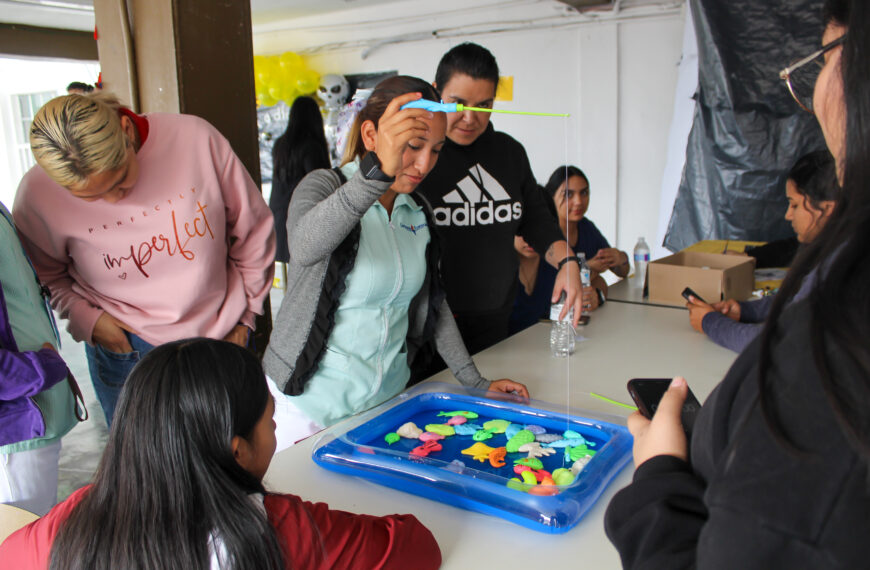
779	476
180	485
812	192
567	196
364	295
301	149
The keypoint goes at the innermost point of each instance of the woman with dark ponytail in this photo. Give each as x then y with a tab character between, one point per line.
180	485
778	471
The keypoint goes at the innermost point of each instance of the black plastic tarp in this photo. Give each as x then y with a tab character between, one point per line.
747	130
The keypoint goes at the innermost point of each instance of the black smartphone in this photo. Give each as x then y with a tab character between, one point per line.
688	291
648	392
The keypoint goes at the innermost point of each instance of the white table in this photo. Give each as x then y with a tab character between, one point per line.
623	341
629	291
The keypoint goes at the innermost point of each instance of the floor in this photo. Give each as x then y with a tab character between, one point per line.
82	447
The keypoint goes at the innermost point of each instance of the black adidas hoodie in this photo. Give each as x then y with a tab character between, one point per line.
482	195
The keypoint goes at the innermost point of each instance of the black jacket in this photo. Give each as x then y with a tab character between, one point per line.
482	195
747	500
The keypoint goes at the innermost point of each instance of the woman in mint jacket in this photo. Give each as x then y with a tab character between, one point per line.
364	297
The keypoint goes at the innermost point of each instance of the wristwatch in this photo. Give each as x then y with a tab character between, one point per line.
371	168
566	260
601	297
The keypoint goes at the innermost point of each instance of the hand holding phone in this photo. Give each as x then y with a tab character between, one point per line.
648	392
687	292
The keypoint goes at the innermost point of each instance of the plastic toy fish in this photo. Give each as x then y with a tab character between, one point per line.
521	437
534	449
496	457
496	426
512	430
574	453
392	437
466	429
409	430
580	464
571	434
537	430
532	462
427	448
441	429
468	415
457	420
481	435
429	436
459	107
478	451
567	442
563	476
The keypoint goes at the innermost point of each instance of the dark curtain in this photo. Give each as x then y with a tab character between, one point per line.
747	131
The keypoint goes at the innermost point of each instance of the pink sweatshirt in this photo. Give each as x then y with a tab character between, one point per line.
187	252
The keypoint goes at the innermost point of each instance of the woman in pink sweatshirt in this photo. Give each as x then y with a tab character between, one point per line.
146	229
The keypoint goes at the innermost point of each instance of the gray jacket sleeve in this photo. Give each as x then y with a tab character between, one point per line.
449	343
320	217
728	332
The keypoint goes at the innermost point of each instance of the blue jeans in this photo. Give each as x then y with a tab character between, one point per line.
109	371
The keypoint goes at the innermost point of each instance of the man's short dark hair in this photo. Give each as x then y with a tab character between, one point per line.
79	86
469	58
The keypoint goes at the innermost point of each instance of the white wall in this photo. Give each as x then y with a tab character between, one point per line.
615	76
29	76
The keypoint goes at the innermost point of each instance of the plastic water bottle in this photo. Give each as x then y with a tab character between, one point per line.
585	276
641	260
561	331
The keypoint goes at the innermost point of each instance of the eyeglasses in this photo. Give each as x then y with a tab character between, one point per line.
801	76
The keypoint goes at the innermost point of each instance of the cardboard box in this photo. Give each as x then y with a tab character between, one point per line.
712	276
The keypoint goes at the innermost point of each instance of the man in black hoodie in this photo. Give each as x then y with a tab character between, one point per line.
483	193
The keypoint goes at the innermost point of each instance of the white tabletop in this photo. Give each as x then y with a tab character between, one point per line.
623	341
629	291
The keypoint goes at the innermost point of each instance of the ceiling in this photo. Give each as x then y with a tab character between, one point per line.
79	14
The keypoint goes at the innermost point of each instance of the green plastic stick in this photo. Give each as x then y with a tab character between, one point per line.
614	402
461	107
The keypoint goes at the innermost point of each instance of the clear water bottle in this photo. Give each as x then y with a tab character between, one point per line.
641	260
561	331
585	276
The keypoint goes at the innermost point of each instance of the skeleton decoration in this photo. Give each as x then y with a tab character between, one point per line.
333	91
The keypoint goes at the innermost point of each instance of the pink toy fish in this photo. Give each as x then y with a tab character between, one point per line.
456	420
429	436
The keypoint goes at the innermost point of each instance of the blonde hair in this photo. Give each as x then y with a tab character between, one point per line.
75	136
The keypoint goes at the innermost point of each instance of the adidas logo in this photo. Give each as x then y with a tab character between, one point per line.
477	198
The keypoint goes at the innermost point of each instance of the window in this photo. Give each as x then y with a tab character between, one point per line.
28	105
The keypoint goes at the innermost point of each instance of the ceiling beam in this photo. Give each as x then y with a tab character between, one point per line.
32	41
583	5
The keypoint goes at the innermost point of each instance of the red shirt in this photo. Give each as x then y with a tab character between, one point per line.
311	534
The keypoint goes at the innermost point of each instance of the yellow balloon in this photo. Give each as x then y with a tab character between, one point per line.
288	59
266	101
307	82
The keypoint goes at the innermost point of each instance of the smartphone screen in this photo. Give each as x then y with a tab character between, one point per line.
648	392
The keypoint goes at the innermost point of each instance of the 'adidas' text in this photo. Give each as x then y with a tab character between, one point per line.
480	200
